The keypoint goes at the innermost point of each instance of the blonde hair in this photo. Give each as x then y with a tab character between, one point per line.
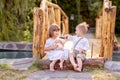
83	27
53	27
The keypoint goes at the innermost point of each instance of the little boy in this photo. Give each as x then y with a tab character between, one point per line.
80	46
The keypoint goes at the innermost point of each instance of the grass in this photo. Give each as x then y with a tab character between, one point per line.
6	73
9	74
100	73
104	75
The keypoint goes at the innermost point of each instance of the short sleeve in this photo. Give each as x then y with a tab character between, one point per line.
48	43
86	45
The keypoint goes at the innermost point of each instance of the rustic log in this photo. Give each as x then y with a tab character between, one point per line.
35	31
51	15
66	26
56	6
108	27
67	65
98	27
58	17
47	24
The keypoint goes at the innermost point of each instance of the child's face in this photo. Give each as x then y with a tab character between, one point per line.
78	32
55	33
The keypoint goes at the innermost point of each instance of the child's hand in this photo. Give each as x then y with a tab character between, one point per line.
54	46
58	41
66	36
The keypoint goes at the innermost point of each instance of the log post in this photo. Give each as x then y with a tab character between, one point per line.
35	31
38	39
112	29
109	15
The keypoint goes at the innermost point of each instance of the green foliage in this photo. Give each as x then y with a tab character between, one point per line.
83	10
5	66
16	16
16	19
35	64
117	27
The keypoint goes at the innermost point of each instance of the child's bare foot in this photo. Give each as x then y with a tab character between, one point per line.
75	67
78	69
61	65
52	70
52	67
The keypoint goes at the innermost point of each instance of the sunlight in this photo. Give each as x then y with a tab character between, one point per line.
68	45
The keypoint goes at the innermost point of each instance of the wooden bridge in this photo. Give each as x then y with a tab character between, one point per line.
49	13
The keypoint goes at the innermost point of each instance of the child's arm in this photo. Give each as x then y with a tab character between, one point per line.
50	48
59	41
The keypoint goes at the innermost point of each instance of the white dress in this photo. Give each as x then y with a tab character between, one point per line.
56	54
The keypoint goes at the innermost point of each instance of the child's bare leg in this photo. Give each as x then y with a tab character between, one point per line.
61	63
52	65
79	62
71	57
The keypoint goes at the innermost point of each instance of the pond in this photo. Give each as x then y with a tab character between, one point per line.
15	54
10	54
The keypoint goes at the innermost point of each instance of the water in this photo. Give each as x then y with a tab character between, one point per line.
15	54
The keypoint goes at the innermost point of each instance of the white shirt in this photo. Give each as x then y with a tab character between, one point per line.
82	44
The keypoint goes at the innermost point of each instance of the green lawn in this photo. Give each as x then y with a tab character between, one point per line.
101	73
9	74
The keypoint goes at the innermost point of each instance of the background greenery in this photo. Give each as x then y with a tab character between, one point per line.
16	16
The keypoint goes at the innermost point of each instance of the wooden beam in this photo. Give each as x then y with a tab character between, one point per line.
57	16
51	15
56	6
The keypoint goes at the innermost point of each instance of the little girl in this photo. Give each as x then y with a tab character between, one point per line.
54	47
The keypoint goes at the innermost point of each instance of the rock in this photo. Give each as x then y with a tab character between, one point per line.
112	65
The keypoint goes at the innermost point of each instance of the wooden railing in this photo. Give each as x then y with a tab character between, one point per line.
105	27
45	15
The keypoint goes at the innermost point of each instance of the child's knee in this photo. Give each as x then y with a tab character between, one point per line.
81	56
